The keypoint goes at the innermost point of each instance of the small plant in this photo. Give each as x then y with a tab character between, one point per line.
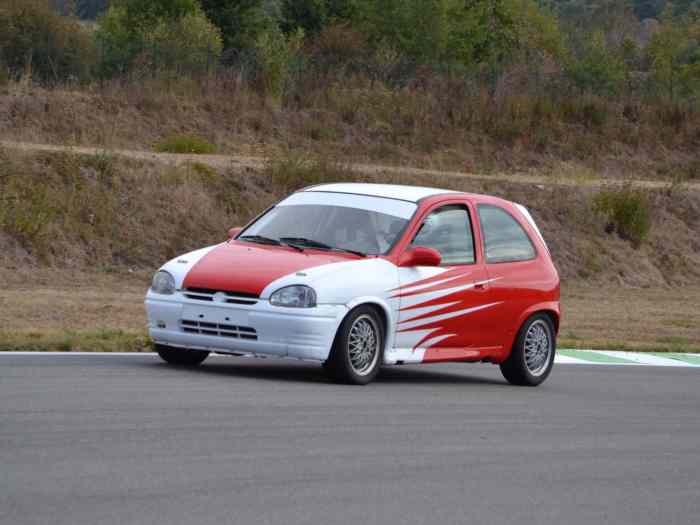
274	53
294	171
185	144
627	211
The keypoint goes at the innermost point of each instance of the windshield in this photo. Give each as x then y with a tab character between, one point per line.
358	223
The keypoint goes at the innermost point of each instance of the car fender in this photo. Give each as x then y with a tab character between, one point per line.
389	312
545	306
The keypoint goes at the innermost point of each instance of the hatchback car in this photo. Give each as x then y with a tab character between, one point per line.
356	276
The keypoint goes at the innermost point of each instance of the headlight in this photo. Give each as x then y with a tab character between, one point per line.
297	296
163	283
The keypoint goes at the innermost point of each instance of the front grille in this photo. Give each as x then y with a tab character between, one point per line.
221	296
219	330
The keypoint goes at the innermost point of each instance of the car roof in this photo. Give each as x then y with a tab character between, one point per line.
387	191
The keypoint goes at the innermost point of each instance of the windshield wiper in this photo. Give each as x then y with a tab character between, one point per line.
261	239
309	243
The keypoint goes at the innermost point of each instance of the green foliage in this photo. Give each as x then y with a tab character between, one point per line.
310	15
274	53
185	144
142	16
475	32
598	69
160	35
416	28
36	41
627	210
674	54
495	32
240	21
25	208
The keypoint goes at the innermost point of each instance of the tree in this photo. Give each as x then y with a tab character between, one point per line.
37	40
314	15
241	22
165	34
497	31
598	69
674	56
417	28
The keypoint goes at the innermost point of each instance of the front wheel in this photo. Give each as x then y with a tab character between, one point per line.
357	350
181	356
532	357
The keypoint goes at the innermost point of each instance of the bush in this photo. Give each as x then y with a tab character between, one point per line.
37	41
274	53
339	44
240	21
598	70
185	144
627	210
157	37
290	172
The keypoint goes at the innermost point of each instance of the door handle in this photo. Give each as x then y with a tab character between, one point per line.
480	286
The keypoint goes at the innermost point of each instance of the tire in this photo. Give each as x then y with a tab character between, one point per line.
532	357
358	348
181	356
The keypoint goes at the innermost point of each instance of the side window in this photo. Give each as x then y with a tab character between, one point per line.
449	231
505	240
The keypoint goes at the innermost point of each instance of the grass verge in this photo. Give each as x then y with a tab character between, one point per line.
62	310
69	341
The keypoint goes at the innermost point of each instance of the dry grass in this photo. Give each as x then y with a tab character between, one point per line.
74	210
623	318
81	233
72	311
89	311
434	122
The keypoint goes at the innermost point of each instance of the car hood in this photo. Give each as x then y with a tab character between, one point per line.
247	268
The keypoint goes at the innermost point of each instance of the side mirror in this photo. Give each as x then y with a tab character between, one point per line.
233	232
420	256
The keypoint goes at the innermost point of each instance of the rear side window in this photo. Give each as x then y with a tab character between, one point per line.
449	231
505	240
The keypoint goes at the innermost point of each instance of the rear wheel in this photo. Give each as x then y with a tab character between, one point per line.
357	350
532	357
181	356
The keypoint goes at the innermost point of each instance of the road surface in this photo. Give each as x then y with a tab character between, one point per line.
126	439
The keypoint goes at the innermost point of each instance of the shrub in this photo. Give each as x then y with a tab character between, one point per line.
274	53
339	44
160	36
240	21
185	144
292	171
35	40
598	69
190	43
627	210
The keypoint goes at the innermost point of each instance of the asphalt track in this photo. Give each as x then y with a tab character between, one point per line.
126	439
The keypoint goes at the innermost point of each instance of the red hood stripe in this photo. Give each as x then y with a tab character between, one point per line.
248	268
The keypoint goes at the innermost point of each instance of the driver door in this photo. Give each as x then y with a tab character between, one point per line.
441	308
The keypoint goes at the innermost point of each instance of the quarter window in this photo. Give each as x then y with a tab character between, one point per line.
505	240
449	231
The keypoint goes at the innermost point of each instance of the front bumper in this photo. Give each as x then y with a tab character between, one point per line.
306	333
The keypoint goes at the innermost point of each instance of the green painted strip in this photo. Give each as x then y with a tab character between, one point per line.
684	358
593	357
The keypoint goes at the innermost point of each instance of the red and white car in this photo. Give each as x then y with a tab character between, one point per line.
356	276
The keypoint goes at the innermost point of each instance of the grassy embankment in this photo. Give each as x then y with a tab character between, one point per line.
80	234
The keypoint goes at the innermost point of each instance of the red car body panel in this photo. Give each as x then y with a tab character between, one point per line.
513	291
256	266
